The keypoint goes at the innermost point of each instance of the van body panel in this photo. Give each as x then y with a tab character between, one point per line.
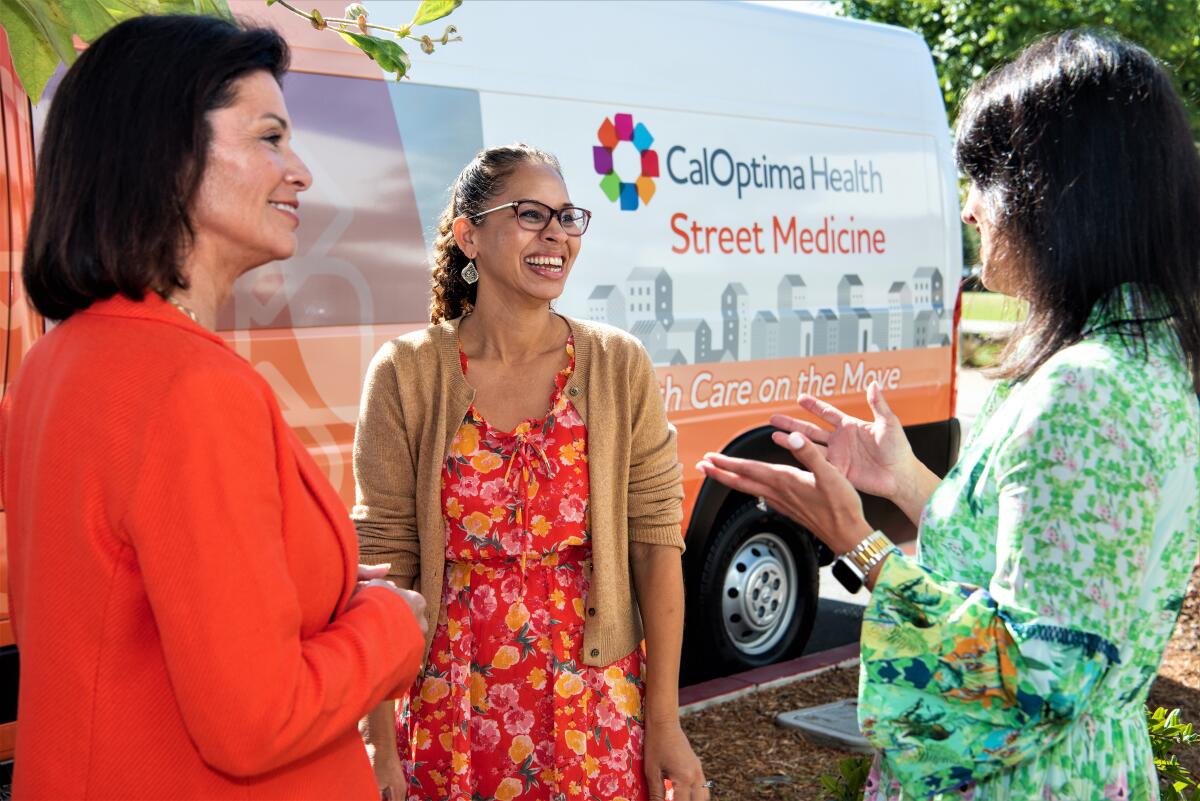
776	216
21	326
317	374
771	63
382	162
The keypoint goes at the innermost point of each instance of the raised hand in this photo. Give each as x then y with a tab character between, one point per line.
818	497
874	456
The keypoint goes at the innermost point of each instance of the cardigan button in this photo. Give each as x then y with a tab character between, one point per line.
595	653
573	391
592	612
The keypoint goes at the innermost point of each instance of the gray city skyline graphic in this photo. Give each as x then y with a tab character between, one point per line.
915	317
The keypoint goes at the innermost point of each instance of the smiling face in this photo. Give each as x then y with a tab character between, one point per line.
245	212
519	267
998	262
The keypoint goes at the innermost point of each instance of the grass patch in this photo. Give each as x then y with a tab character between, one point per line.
992	306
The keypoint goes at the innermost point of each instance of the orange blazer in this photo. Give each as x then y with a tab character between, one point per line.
181	576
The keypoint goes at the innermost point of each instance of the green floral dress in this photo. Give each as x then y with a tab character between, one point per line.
1011	659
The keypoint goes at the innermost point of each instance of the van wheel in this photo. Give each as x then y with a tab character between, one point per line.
756	600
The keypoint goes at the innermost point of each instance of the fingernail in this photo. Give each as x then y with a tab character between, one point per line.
795	441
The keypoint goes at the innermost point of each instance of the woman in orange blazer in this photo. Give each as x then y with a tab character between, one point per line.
185	586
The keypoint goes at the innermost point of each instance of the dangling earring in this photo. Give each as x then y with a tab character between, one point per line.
469	273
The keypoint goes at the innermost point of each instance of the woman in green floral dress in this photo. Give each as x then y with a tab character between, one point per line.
1010	660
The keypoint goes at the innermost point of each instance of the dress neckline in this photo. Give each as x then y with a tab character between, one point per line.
529	424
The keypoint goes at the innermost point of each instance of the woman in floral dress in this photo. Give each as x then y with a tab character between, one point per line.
517	467
1010	660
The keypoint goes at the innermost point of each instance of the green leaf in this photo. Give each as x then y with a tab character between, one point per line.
53	25
214	8
34	58
431	10
124	9
40	32
387	54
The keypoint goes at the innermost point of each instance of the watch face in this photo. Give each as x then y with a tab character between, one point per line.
846	576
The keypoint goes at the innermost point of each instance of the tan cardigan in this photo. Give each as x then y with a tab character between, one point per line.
414	400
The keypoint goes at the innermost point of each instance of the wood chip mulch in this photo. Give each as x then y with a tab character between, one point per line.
751	758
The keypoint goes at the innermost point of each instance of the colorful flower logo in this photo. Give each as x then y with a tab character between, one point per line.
611	134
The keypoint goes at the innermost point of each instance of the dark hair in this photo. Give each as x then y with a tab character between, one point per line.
123	154
1083	152
479	182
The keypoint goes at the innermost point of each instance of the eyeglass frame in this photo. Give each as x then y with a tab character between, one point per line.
512	204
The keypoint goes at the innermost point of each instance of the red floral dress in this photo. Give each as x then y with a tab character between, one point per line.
505	709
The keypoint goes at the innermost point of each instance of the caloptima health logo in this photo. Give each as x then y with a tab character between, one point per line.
619	132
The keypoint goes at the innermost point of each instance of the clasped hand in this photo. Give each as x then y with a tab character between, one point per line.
376	576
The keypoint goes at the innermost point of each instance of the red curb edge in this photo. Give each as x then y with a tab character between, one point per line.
707	693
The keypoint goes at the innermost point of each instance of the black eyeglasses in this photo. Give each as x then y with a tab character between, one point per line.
533	215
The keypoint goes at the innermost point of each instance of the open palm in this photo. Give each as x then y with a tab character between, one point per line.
874	456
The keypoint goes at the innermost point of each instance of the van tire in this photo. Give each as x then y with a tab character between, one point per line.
750	552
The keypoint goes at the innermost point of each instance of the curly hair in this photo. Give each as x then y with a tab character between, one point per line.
479	182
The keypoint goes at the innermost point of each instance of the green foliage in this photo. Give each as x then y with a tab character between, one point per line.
970	245
969	37
432	10
979	352
387	54
851	780
354	28
1167	736
40	31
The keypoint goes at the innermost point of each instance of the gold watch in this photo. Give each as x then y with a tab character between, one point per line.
852	568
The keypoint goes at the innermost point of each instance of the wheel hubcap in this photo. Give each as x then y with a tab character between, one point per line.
759	593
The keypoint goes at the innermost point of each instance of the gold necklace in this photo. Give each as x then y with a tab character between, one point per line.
183	309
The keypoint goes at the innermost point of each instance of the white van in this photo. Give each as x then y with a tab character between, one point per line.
775	211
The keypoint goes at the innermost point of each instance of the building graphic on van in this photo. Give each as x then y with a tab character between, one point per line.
914	317
618	133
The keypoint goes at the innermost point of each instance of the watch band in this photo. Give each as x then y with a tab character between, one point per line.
852	568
